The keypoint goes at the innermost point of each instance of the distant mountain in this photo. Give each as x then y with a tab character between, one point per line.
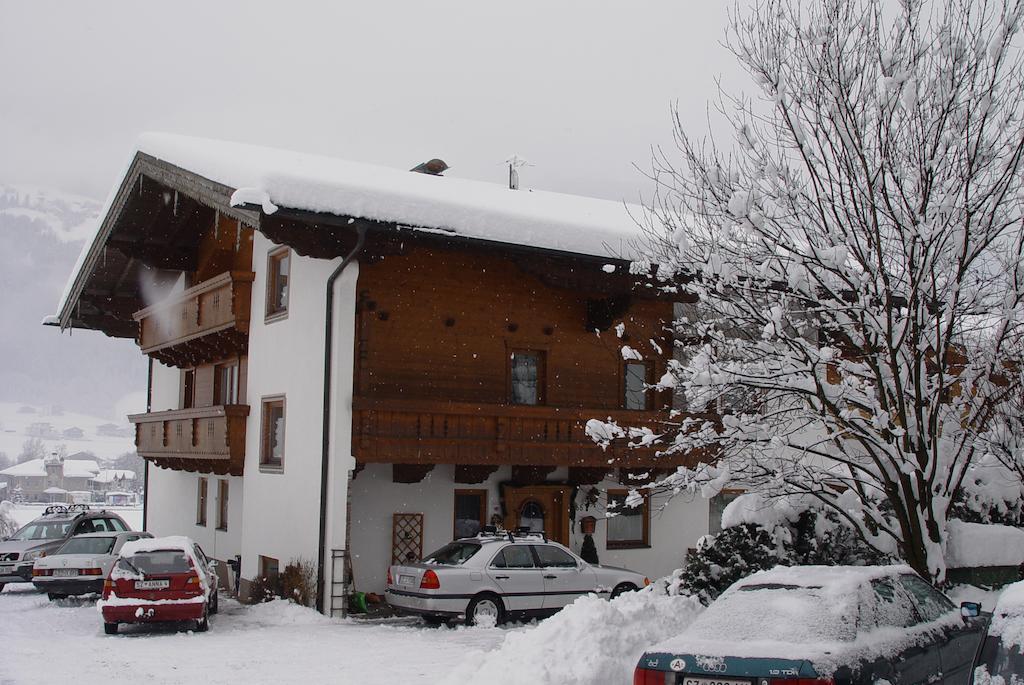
42	232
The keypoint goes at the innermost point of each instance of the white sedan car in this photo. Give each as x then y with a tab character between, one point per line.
491	577
81	564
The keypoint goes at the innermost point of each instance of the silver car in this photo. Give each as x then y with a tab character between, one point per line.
81	565
489	578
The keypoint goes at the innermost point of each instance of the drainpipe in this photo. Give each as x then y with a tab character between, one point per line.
325	456
145	462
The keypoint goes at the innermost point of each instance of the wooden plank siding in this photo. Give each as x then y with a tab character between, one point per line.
201	439
435	329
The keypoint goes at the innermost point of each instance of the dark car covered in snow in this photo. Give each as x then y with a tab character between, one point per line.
840	625
1001	658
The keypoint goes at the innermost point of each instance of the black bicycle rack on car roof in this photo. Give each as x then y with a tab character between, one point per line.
65	509
520	532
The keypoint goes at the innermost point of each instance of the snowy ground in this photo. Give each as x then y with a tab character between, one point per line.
593	642
23	513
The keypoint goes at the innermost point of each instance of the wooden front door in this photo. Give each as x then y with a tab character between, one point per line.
541	506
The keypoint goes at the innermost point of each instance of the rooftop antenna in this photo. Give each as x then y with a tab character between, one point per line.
515	162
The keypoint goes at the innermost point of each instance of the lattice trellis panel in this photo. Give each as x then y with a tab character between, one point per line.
406	538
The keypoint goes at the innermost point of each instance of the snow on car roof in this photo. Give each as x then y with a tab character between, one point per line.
832	579
1008	616
171	542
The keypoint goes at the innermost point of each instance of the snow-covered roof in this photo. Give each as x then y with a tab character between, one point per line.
78	468
55	491
979	544
461	207
110	475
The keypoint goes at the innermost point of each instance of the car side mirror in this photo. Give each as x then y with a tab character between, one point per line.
970	609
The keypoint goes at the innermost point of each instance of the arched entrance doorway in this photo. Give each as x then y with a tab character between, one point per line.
531	515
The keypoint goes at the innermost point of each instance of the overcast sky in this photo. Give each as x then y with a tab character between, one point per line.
580	89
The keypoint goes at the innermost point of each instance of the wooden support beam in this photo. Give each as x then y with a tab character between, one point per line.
410	473
585	475
531	475
474	473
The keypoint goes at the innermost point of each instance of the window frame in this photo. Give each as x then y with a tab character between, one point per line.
645	511
202	500
188	388
223	497
542	375
273	311
218	382
648	380
267	463
481	493
265	564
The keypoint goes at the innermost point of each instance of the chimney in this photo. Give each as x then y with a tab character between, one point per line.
434	167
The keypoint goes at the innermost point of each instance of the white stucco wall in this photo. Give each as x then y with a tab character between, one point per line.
281	516
676	523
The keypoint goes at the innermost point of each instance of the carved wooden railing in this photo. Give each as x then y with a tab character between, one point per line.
203	439
439	432
208	321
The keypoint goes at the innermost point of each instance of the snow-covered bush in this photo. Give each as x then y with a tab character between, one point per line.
7	523
298	582
720	560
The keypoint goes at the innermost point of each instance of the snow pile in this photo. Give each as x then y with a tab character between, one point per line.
591	641
982	544
280	612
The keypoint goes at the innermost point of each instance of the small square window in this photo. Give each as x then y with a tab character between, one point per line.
527	374
202	492
269	567
278	263
630	526
470	511
272	438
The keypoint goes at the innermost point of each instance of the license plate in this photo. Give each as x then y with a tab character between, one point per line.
4	570
152	584
690	680
406	580
65	572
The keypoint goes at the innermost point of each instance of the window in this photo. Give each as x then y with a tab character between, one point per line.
531	516
188	389
931	604
716	507
272	437
552	557
889	607
277	282
225	382
514	557
222	505
527	377
470	510
636	376
268	567
202	491
630	526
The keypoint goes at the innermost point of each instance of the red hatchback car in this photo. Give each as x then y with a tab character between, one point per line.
157	580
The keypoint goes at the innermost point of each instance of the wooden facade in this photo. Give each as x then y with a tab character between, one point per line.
201	439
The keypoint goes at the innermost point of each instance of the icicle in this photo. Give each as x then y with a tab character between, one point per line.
216	224
238	234
175	210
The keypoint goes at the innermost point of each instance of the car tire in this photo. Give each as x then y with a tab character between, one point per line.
55	595
482	607
623	588
203	624
215	603
110	628
2	586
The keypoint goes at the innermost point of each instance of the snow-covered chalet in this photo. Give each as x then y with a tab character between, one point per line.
352	364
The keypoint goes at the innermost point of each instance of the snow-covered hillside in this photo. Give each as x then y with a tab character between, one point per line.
105	438
44	230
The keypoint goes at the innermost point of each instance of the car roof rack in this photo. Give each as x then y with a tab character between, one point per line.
63	509
494	532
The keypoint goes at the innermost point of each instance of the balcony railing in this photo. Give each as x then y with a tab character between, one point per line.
414	431
204	439
199	325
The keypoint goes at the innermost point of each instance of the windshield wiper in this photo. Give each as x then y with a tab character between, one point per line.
133	567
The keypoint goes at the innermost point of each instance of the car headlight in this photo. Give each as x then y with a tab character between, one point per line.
29	556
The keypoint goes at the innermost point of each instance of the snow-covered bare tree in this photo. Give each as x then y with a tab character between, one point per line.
856	249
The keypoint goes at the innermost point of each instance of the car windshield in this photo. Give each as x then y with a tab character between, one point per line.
160	562
98	545
453	554
786	613
43	530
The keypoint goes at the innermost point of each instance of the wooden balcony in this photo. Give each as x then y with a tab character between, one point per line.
203	440
437	432
207	322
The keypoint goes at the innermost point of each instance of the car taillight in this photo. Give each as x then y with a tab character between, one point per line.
647	581
41	572
645	676
430	581
91	572
108	587
192	580
389	577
